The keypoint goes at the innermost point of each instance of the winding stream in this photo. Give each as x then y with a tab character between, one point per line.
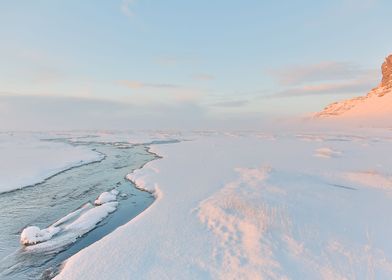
59	195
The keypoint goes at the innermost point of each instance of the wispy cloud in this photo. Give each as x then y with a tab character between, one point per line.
323	78
46	75
231	104
203	77
323	71
142	85
35	66
359	5
126	7
178	59
347	87
167	61
162	92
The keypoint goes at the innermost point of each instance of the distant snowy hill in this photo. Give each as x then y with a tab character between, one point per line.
377	104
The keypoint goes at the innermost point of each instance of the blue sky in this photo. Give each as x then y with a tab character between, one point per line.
184	64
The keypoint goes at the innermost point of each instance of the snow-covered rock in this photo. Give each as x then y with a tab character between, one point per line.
376	104
106	197
91	218
69	228
33	235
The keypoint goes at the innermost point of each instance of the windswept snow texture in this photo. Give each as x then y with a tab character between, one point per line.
371	179
26	160
240	206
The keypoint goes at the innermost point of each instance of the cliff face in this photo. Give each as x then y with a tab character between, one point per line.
386	70
378	101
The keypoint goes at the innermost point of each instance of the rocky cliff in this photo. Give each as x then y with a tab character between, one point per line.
387	73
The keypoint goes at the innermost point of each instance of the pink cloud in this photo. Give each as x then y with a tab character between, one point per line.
359	86
323	71
141	85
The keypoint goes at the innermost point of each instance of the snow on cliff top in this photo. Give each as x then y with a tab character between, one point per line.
376	104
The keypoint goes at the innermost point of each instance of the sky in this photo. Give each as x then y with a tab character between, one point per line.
135	64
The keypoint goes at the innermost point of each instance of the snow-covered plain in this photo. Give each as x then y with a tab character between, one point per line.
26	160
255	206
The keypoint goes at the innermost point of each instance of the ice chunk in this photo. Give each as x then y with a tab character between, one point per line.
114	191
91	218
33	235
73	214
68	229
106	197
